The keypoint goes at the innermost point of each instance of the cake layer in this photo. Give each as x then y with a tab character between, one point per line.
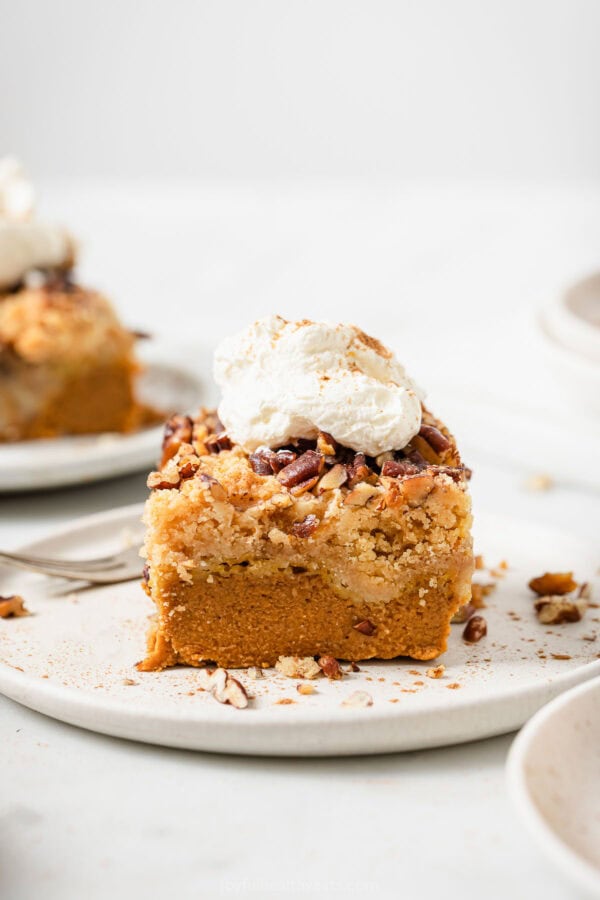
249	617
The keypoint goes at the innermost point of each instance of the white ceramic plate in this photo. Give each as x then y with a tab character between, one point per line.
554	778
41	464
73	659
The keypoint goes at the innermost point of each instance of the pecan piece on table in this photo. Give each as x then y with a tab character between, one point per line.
224	687
330	667
13	606
475	629
302	469
358	700
550	583
557	610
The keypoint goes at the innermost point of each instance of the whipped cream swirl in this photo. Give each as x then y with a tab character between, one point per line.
26	245
283	380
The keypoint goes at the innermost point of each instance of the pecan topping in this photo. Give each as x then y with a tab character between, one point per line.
399	468
333	478
365	627
146	574
13	607
358	470
261	461
553	583
188	466
330	667
281	459
304	486
215	487
475	629
326	444
224	687
165	480
436	440
416	488
361	494
306	527
557	610
306	467
217	442
178	431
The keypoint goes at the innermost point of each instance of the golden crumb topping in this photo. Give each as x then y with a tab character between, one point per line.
61	323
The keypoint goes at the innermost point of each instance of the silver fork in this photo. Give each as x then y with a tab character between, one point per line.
123	566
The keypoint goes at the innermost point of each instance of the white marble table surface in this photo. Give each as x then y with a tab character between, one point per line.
83	815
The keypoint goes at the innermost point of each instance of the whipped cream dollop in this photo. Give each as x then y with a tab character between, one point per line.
26	245
283	380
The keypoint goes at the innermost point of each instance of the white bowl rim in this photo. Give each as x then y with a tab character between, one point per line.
574	866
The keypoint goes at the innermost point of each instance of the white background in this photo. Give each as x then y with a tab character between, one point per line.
203	88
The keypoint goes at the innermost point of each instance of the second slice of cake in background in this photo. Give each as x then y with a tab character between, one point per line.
67	364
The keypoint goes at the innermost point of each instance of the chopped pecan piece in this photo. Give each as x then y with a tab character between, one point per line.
436	440
326	444
215	443
333	478
224	687
281	459
306	527
215	487
358	470
178	430
330	667
553	583
436	671
13	607
557	610
261	461
165	480
362	493
358	700
399	468
298	666
416	488
304	468
305	688
365	627
475	629
304	486
146	574
188	466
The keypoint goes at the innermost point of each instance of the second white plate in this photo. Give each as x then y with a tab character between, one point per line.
58	462
74	659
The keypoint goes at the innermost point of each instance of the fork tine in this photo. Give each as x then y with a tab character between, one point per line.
101	563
